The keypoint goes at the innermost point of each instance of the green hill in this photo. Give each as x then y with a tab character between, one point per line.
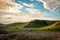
39	23
12	27
55	26
33	25
17	25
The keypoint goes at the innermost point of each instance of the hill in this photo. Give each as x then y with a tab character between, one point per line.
32	25
39	23
54	26
1	25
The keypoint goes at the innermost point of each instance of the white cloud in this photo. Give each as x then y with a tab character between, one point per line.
36	14
6	19
28	5
31	0
53	5
9	13
7	4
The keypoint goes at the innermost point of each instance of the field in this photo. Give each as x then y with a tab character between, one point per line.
31	35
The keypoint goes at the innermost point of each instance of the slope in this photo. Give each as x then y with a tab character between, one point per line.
55	26
39	23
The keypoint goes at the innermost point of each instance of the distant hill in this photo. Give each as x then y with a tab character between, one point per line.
2	31
39	23
31	24
16	25
1	25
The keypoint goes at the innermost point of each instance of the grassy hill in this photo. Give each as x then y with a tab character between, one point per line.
32	26
54	26
12	27
39	23
17	25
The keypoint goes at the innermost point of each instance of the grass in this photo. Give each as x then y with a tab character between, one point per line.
38	36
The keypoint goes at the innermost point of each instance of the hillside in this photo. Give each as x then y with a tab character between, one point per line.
1	25
17	25
33	25
54	26
39	23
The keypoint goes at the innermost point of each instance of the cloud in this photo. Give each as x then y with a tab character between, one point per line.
31	0
7	4
53	5
8	18
9	13
28	5
36	14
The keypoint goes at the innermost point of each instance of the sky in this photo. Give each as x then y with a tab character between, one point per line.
12	11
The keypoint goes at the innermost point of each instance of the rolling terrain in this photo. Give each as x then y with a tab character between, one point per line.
31	26
55	26
34	30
